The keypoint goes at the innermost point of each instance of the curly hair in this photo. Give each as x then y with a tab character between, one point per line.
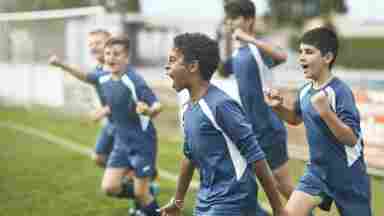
234	9
200	48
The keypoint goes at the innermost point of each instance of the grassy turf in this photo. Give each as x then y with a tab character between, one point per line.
41	178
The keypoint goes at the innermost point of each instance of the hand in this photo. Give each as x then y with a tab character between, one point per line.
142	108
170	210
320	102
241	35
54	60
100	113
281	212
273	98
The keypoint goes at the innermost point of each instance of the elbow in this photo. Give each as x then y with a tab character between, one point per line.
281	57
294	121
350	141
348	138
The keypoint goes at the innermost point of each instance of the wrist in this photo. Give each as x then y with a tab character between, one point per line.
178	203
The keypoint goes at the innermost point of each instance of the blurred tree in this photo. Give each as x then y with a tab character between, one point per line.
121	6
22	5
28	5
296	11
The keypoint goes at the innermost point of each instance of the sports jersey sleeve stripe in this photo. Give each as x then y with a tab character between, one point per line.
346	110
144	120
239	162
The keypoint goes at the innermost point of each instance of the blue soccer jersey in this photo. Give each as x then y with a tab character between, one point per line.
92	77
335	170
121	95
249	64
104	142
220	143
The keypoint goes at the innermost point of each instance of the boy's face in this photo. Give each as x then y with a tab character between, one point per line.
177	70
96	43
116	58
312	61
239	22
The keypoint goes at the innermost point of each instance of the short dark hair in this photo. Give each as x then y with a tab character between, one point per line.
323	39
101	32
120	40
199	47
237	8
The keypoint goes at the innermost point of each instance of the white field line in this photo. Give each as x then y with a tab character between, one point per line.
76	147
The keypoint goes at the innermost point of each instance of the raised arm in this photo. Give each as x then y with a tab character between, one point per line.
74	71
275	52
341	130
286	111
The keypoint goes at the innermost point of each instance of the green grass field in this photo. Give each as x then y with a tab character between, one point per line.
39	177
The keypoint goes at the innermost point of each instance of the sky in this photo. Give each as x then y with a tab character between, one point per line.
367	9
372	9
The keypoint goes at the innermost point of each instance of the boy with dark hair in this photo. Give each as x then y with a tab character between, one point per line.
219	141
131	104
336	170
251	63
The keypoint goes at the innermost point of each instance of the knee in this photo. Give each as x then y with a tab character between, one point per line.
110	189
142	195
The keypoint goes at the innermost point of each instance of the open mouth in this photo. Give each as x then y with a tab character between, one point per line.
111	64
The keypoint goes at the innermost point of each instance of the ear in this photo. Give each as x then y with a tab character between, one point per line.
329	57
194	66
250	21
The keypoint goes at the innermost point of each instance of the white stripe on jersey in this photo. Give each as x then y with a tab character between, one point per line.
144	120
238	160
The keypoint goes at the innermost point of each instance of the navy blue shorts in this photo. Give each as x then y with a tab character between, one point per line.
274	146
354	201
143	163
228	210
104	143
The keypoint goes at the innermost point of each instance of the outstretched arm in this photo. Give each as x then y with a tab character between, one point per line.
76	72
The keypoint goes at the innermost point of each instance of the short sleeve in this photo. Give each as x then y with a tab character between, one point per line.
228	66
232	120
144	92
93	77
347	111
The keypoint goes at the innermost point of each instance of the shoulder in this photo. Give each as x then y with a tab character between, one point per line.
217	99
103	77
339	89
340	86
